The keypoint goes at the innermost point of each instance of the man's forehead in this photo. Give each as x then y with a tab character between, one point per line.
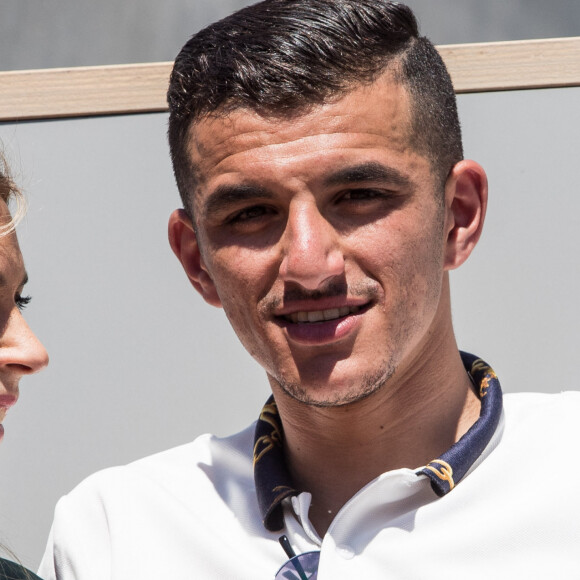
372	108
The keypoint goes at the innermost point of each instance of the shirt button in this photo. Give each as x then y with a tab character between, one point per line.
345	552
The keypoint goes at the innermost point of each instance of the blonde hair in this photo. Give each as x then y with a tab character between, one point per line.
10	192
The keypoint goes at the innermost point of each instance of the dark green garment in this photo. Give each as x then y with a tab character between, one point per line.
13	571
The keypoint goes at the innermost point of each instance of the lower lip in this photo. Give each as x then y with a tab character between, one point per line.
324	332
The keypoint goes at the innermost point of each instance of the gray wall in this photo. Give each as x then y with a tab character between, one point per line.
140	363
56	33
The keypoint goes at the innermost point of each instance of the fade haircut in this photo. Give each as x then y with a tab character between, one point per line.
280	58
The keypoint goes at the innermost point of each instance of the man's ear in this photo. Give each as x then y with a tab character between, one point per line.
465	204
183	241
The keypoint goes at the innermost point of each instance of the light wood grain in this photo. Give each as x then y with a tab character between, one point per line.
524	64
73	92
140	88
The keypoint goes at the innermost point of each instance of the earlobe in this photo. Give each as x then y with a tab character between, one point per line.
466	204
183	242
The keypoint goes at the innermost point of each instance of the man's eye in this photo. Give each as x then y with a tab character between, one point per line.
361	194
22	301
356	194
250	213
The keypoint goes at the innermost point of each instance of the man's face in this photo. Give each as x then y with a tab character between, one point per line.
323	238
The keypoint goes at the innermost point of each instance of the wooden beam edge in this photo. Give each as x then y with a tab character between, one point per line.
141	88
524	64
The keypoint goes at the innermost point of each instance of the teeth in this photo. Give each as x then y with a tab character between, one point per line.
331	314
316	316
346	310
319	315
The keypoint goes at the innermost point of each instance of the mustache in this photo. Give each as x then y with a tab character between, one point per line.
338	287
294	293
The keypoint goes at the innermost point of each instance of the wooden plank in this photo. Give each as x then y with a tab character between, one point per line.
523	64
141	88
80	91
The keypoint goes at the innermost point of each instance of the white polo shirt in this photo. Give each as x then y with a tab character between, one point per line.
508	510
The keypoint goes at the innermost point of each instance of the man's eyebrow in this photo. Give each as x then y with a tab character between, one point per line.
367	172
225	196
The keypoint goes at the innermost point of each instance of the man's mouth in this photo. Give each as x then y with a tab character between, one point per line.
310	316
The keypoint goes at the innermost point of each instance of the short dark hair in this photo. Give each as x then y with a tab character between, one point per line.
281	57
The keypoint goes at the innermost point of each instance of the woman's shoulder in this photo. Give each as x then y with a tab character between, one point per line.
13	571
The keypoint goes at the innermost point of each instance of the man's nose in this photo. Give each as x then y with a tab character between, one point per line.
312	251
21	353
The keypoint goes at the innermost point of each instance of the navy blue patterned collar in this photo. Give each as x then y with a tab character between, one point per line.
273	481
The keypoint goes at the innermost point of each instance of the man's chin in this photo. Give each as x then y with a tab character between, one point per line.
329	395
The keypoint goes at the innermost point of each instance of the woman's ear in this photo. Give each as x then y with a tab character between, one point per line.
183	242
465	204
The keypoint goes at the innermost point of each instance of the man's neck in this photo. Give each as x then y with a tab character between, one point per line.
332	452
